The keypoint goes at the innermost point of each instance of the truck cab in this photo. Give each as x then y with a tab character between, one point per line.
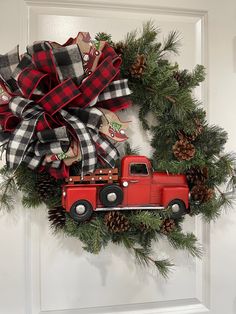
136	179
144	186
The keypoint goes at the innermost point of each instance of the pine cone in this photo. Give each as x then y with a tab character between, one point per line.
199	126
181	77
197	132
168	225
183	150
116	222
143	227
138	67
197	175
57	217
201	193
119	48
45	185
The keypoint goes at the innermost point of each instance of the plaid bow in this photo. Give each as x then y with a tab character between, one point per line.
53	97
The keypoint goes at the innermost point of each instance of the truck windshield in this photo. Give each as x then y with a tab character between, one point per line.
136	169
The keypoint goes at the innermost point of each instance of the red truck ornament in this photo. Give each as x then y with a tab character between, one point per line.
137	187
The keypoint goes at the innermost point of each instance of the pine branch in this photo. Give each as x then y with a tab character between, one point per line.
150	219
31	201
211	142
142	253
164	267
212	209
93	235
143	258
148	36
8	189
187	242
221	170
171	43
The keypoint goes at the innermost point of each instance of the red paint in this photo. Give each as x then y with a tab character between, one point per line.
144	189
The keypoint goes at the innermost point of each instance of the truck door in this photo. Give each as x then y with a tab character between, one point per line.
139	184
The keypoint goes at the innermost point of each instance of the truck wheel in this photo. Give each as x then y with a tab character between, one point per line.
81	210
178	208
111	195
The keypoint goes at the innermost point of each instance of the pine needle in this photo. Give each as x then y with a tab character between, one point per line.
8	189
143	258
150	219
187	242
171	43
164	267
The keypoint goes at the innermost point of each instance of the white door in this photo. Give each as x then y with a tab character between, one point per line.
41	273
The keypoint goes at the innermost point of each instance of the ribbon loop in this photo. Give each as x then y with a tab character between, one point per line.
68	63
29	82
50	135
60	96
38	46
18	106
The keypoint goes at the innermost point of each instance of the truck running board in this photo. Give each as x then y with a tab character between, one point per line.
128	208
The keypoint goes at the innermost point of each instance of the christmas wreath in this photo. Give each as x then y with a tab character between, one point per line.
62	137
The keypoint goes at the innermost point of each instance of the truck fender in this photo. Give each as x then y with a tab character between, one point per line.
172	193
76	193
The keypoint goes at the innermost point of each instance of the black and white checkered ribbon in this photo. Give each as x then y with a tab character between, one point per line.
51	141
8	64
115	89
69	64
24	146
24	132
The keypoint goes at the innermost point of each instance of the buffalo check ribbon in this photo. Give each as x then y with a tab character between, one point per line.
51	94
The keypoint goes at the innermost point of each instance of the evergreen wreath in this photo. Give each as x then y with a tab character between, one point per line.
182	141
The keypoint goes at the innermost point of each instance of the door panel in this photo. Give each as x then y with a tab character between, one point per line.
139	191
42	273
85	275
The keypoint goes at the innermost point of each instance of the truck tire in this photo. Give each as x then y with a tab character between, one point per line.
111	195
81	210
178	208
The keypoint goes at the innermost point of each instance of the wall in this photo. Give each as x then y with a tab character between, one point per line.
16	269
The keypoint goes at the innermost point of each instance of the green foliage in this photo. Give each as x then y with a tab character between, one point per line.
26	183
144	259
8	189
192	79
164	266
211	142
150	219
93	235
101	36
187	242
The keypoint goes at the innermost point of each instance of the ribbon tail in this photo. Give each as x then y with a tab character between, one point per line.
106	150
19	142
88	149
24	132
